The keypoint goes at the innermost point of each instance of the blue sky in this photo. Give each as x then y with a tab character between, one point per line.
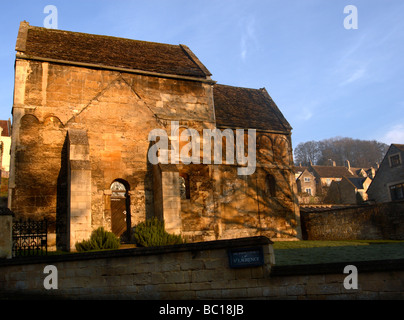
328	81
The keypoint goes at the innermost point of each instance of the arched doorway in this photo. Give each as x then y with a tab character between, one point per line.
120	209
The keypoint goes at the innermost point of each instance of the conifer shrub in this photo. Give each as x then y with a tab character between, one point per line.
100	239
152	233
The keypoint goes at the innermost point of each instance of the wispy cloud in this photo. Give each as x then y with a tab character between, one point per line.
248	37
394	135
306	114
354	76
307	109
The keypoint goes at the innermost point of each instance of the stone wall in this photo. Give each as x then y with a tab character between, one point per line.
194	271
6	232
370	222
117	111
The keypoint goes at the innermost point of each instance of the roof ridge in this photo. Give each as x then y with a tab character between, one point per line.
101	36
105	51
237	87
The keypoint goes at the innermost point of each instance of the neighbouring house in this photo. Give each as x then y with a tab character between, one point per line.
325	175
84	109
342	184
5	144
388	184
306	186
362	172
348	191
306	181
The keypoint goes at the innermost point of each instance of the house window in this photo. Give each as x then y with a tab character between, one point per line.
270	185
395	160
308	191
397	192
306	179
328	182
184	187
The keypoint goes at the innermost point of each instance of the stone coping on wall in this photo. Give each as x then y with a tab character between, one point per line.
276	270
318	208
189	247
337	267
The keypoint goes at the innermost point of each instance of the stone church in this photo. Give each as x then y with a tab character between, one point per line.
84	106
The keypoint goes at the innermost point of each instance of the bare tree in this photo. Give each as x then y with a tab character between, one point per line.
360	153
307	152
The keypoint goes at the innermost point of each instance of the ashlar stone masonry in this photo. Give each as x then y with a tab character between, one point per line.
83	108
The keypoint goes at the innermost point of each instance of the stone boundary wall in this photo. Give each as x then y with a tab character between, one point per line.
6	232
383	221
193	271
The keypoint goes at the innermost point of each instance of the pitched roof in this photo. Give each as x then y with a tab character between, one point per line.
298	169
399	146
332	172
357	182
106	51
247	108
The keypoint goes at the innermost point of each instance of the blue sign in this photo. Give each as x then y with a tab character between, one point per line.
246	258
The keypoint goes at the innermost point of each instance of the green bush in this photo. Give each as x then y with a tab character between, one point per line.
99	240
152	233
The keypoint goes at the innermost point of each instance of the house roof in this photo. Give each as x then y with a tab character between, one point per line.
247	108
332	172
399	146
5	125
298	169
304	173
106	51
357	182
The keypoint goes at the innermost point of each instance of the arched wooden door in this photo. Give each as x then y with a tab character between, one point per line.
120	209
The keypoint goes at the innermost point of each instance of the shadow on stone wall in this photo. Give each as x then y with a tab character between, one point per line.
383	221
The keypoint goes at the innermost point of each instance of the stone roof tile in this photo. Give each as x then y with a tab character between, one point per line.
107	51
247	108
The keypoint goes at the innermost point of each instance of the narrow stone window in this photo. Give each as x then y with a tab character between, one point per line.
184	187
270	184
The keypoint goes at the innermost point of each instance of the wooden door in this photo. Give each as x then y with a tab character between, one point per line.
118	216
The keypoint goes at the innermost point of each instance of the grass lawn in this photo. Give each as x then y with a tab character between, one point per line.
315	252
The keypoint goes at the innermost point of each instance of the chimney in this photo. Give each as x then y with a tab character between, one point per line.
373	172
334	164
348	164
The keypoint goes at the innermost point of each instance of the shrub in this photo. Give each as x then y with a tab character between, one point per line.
99	240
152	233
